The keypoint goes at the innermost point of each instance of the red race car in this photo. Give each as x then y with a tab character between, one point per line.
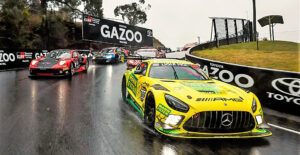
60	62
145	52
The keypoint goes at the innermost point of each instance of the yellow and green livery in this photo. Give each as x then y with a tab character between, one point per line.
178	99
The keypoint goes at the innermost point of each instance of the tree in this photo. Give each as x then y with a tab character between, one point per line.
14	25
133	13
94	8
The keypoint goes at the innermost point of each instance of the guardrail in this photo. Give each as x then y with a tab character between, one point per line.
275	88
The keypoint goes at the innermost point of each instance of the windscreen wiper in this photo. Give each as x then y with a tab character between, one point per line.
175	74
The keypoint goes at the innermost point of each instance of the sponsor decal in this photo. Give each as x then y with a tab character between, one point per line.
132	83
241	80
91	20
170	64
24	55
221	99
288	90
163	110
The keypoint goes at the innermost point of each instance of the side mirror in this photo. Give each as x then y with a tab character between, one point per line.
138	71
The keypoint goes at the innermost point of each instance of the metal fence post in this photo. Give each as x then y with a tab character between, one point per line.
236	33
226	28
216	34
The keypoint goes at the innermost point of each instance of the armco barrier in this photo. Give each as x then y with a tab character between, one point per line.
274	88
18	58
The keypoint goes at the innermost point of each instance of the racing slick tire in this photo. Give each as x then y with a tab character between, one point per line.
125	92
149	117
71	71
86	65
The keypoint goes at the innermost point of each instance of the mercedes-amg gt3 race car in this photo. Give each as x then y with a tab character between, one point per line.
178	99
62	62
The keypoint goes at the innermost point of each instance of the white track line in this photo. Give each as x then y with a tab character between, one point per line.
282	128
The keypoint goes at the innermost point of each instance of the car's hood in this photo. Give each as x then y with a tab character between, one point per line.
212	94
47	62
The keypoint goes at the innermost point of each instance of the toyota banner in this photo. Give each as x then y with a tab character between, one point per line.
103	30
274	88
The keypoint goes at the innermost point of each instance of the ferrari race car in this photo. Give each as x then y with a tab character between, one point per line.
109	55
60	62
176	98
146	52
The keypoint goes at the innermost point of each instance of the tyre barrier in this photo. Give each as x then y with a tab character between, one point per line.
277	89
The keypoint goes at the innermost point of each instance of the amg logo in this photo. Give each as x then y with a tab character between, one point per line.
221	99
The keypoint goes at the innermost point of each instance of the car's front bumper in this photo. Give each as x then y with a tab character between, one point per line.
104	60
180	132
48	72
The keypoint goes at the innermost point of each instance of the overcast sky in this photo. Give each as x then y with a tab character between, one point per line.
178	22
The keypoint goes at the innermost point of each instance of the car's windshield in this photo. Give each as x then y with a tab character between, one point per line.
146	52
177	71
59	54
108	50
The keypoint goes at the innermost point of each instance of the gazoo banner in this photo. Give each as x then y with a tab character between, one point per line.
274	88
18	58
103	30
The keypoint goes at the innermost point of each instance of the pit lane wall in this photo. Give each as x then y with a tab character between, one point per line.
277	89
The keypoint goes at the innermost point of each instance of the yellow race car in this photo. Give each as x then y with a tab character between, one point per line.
178	99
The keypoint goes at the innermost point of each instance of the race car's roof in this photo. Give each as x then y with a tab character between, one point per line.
167	61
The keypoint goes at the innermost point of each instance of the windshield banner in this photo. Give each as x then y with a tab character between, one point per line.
103	30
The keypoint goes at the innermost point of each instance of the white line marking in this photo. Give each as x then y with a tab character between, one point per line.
286	129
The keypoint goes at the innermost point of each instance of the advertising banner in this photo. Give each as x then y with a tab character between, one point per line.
11	58
275	88
103	30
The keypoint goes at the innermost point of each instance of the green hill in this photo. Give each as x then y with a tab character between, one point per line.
280	55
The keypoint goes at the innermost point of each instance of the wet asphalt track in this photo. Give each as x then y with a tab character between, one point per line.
86	115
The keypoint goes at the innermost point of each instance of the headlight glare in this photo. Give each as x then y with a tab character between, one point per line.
33	62
254	105
176	104
173	119
62	62
259	119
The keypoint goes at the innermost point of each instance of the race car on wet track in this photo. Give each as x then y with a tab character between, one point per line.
144	52
61	62
176	98
110	55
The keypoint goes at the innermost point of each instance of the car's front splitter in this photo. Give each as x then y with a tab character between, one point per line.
256	133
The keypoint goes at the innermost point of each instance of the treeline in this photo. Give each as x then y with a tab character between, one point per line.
45	24
52	24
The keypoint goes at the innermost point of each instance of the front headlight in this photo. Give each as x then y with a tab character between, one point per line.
254	105
176	104
62	63
33	62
